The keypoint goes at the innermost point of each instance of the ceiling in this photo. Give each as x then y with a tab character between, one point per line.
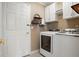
45	3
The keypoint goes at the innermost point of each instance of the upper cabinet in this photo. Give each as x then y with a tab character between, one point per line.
58	6
47	13
50	13
68	12
59	10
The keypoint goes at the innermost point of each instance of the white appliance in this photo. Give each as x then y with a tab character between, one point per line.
46	43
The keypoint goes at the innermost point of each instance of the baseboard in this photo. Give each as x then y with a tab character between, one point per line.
35	51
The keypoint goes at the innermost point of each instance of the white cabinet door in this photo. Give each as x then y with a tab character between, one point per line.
52	12
47	14
74	14
66	46
58	45
67	10
18	41
70	46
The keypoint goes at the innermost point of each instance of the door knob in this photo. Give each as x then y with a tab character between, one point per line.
1	41
28	25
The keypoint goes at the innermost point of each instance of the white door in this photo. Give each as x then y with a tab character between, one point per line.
0	29
18	42
23	29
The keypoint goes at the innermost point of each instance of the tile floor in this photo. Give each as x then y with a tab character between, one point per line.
35	55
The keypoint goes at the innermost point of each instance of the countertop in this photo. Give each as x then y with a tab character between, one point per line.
60	33
49	32
69	34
